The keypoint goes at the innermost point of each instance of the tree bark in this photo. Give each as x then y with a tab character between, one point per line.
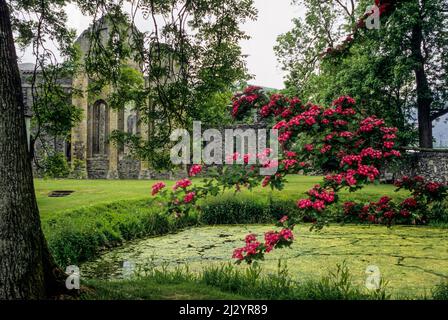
27	270
424	95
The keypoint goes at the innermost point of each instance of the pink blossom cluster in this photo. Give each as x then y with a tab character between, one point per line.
319	198
157	187
184	183
244	101
253	247
289	163
189	197
195	170
369	123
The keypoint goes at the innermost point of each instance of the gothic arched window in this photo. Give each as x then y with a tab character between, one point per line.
99	132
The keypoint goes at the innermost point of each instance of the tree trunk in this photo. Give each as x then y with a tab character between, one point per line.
27	270
424	95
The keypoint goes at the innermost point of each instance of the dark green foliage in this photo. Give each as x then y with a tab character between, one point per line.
55	166
439	212
191	59
245	209
440	292
378	67
250	282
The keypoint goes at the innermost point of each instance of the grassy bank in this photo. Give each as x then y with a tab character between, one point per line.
228	282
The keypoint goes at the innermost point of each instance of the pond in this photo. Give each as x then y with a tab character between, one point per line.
412	259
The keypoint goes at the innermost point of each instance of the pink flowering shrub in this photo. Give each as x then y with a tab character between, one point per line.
348	146
255	250
184	196
157	187
413	210
242	103
195	170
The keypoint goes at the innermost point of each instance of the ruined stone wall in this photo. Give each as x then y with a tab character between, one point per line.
98	167
431	165
128	168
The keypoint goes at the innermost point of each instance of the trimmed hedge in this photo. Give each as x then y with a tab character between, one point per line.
231	209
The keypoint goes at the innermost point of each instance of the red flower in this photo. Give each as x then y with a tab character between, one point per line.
405	213
290	154
389	214
372	153
384	200
325	148
286	114
350	179
184	183
238	254
283	219
265	181
388	130
319	205
285	136
344	100
252	248
409	202
309	147
157	187
281	124
251	89
388	144
271	239
265	111
250	238
346	134
340	123
195	169
287	234
189	197
304	203
432	186
288	163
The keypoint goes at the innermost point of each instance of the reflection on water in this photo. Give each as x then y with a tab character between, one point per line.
411	259
196	247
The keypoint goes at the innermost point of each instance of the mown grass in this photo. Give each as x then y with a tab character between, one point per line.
93	192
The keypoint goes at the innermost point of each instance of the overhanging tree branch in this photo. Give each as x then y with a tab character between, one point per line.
438	114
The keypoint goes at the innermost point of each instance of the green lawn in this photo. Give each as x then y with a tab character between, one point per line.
93	192
147	289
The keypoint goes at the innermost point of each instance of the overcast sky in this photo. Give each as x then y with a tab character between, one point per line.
274	18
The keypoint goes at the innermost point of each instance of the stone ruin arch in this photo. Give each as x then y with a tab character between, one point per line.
88	148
